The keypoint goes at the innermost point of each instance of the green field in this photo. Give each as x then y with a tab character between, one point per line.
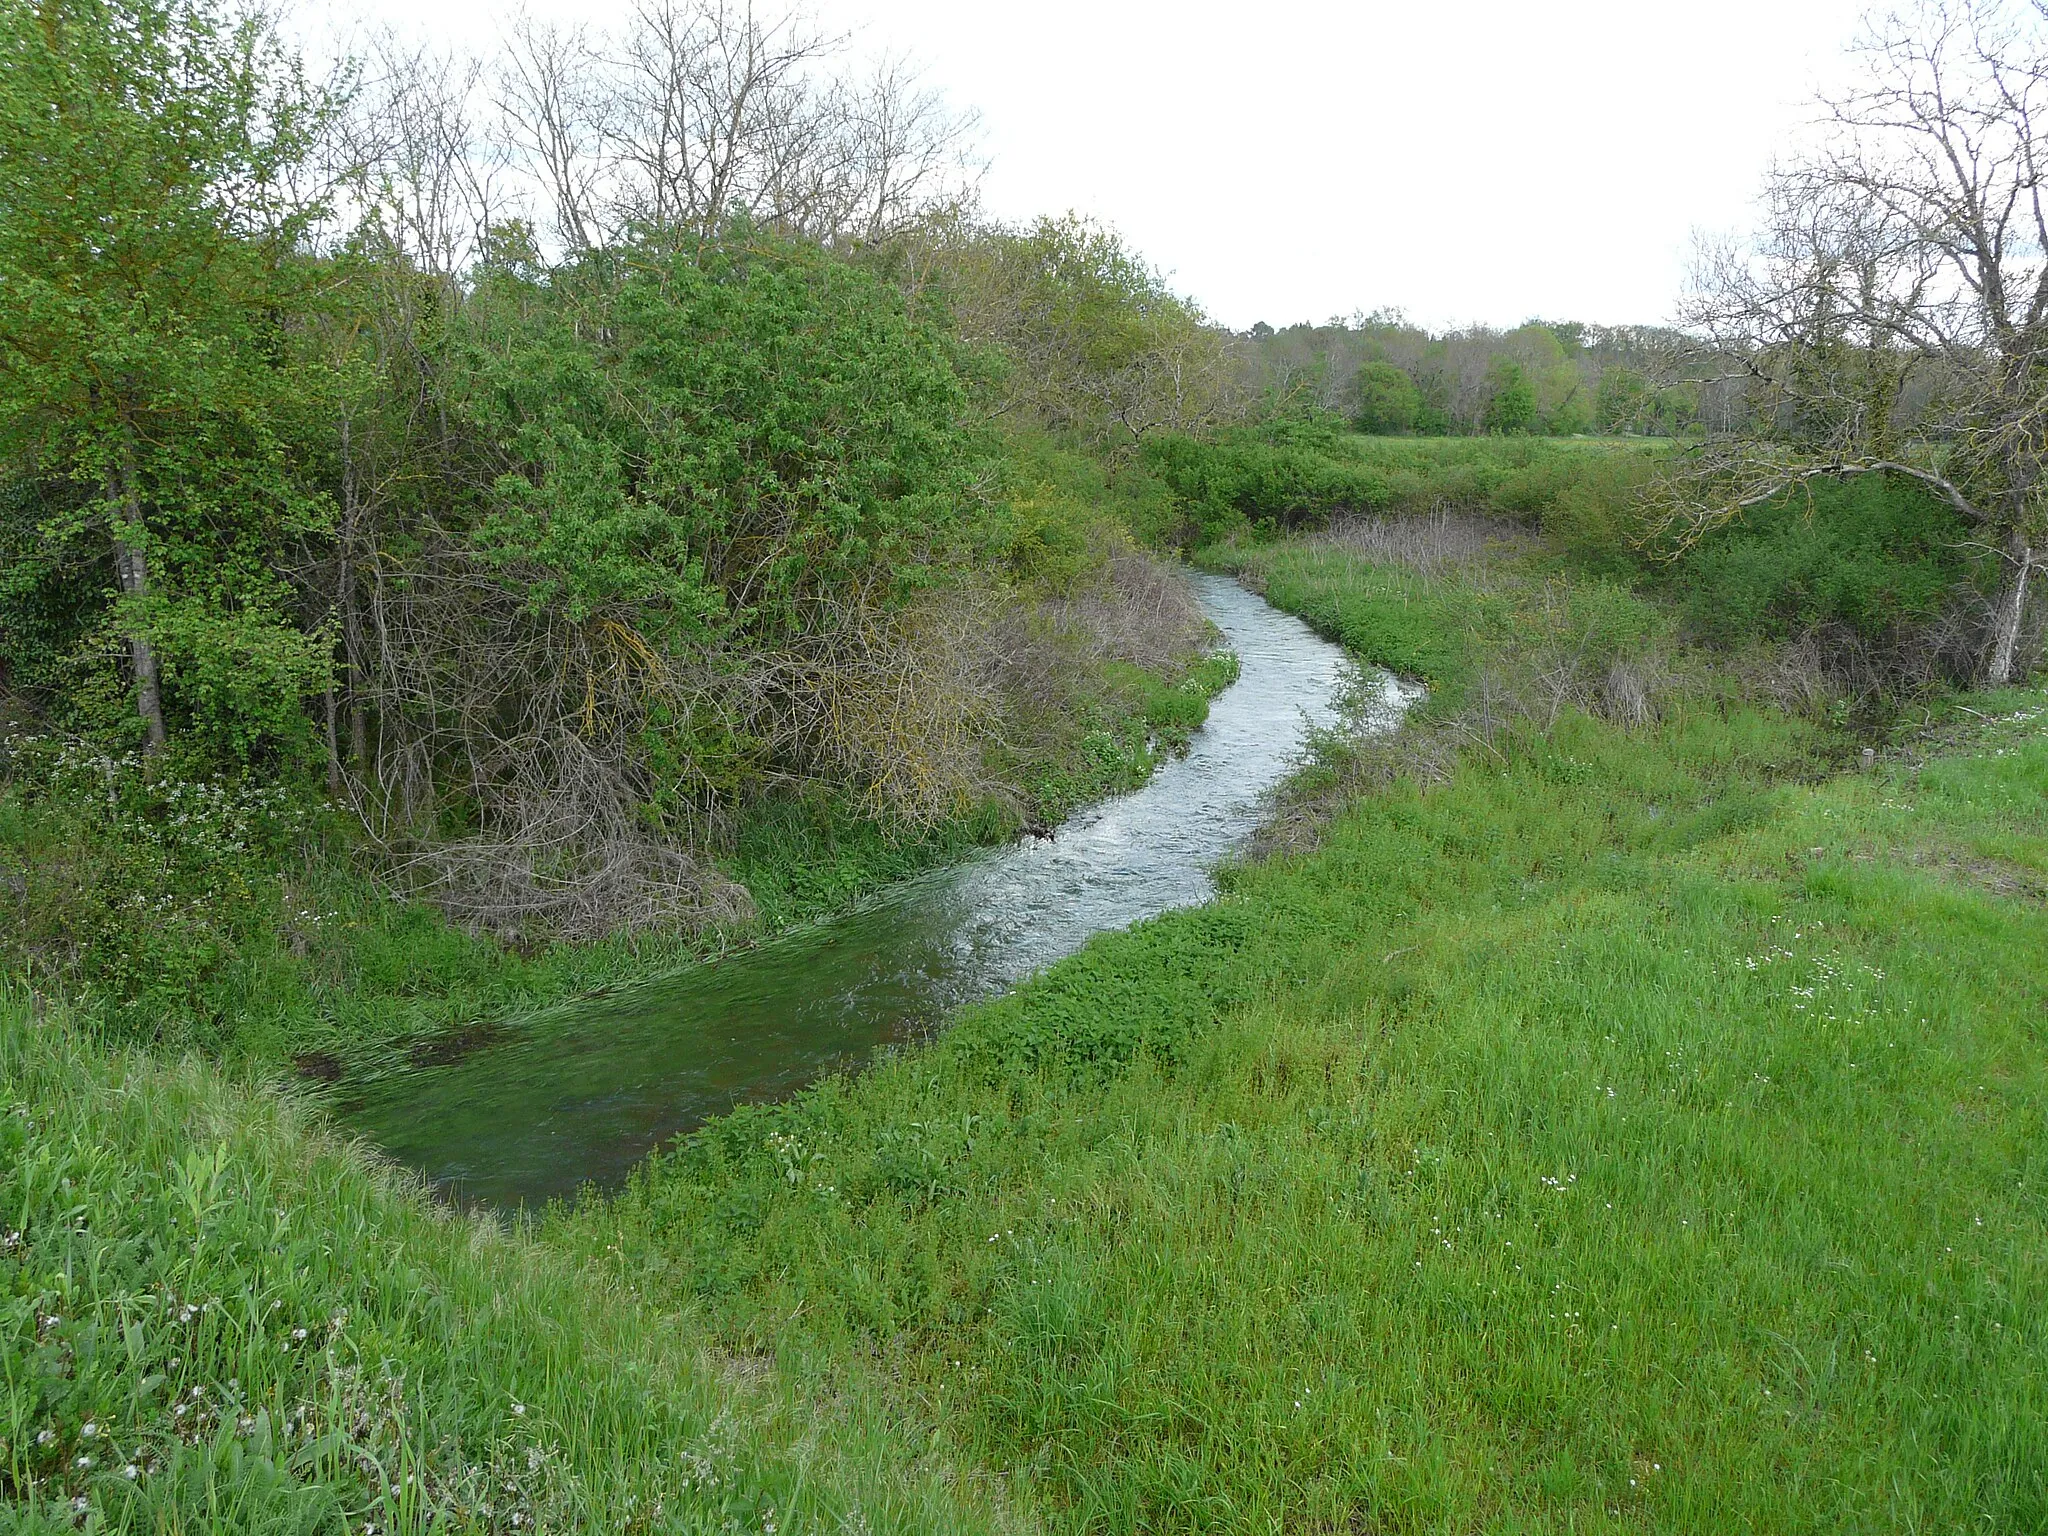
1588	1126
485	525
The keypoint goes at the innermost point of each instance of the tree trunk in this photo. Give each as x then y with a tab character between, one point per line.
351	624
2011	611
333	746
131	568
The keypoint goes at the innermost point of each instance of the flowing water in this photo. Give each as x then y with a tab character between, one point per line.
580	1094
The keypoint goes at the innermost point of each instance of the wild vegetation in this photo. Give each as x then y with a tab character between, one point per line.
1390	377
473	533
366	558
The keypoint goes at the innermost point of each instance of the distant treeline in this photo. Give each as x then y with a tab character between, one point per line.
1390	377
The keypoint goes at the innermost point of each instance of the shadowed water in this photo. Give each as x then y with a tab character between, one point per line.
580	1094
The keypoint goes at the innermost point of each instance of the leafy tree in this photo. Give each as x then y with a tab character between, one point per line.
1619	402
1387	401
149	267
1511	398
1091	339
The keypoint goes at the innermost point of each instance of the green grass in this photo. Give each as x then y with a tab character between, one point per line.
1619	1136
214	1317
1633	1130
1449	631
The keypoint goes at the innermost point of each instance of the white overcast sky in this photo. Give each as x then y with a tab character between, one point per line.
1464	160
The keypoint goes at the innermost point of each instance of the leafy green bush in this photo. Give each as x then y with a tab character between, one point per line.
141	886
1869	555
719	438
1280	473
1385	400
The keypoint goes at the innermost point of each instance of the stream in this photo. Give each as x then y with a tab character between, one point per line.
580	1094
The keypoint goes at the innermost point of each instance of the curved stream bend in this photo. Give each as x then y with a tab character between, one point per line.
583	1093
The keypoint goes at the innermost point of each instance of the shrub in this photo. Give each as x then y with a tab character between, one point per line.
1280	474
1386	401
1868	555
140	886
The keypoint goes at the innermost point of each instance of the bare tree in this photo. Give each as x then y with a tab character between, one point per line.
1892	316
704	111
554	115
429	173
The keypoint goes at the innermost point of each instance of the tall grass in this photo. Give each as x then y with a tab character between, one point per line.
215	1318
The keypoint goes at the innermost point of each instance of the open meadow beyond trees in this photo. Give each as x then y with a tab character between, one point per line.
480	536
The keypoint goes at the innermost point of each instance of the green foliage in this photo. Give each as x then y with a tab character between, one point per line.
1281	473
1871	555
1511	398
1064	512
1387	401
1090	340
47	603
1618	404
1552	378
1526	1147
143	887
149	374
725	434
1446	630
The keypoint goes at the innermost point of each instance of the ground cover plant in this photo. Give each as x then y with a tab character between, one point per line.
1610	1102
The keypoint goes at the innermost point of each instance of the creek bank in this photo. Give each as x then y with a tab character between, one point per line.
580	1095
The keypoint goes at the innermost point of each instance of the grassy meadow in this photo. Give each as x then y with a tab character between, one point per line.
484	527
1622	1128
1607	1104
217	1316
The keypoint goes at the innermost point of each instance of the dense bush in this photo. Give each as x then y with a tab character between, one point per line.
716	438
1278	474
1870	555
1385	401
142	887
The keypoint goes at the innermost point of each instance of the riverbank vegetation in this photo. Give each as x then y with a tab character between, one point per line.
394	594
1609	1102
1563	1141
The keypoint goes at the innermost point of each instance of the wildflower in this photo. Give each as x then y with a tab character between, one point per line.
519	1410
44	1437
90	1429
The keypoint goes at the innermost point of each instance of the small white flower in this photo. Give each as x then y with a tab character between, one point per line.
90	1429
